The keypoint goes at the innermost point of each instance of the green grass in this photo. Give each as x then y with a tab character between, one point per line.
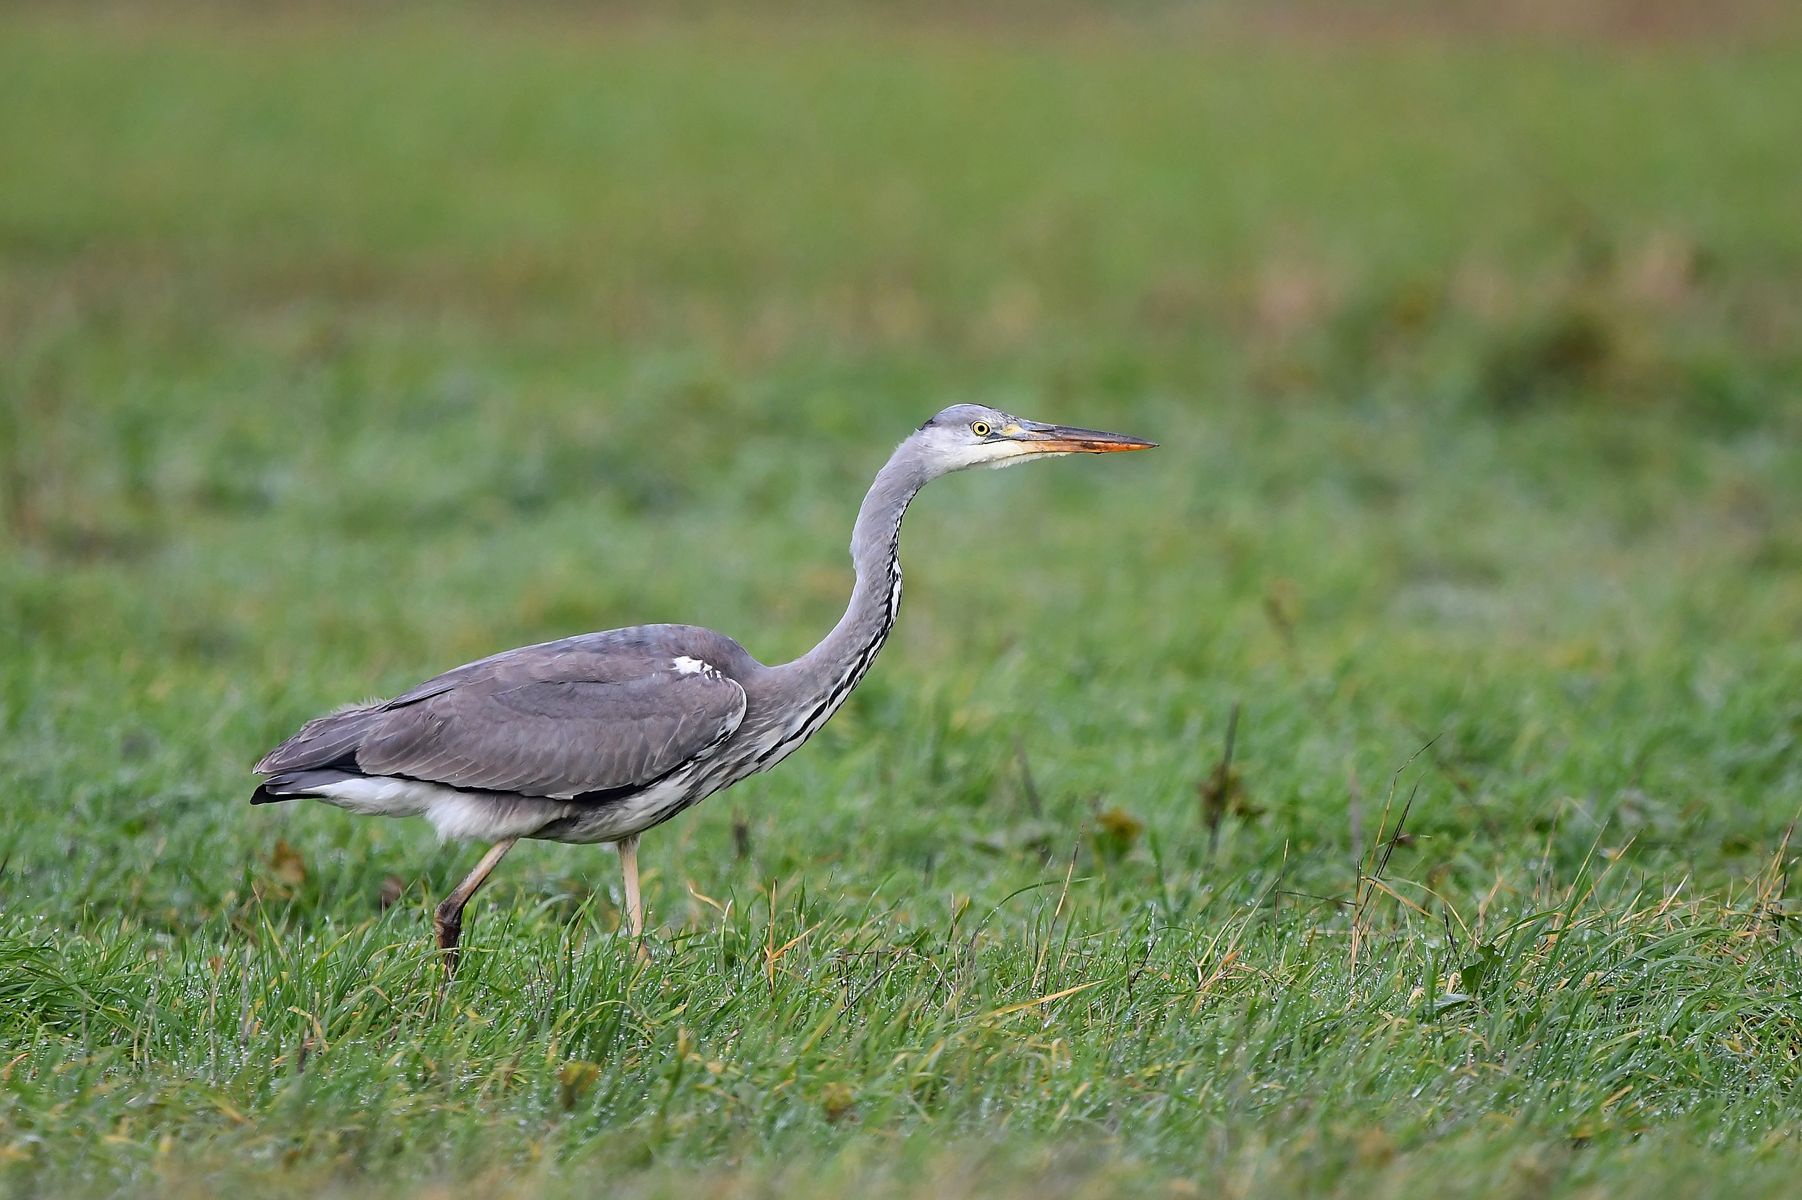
334	354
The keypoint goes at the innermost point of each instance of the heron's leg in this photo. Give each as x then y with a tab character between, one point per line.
628	861
447	921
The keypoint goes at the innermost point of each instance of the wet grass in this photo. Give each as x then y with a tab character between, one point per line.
333	355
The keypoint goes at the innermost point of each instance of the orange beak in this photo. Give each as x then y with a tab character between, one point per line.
1068	439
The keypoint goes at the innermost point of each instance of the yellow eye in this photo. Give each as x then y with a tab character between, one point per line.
980	428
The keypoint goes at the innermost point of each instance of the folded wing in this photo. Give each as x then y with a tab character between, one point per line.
563	720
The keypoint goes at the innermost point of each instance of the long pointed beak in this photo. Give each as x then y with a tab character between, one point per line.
1069	439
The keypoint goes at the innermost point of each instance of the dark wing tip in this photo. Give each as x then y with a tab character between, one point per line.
264	796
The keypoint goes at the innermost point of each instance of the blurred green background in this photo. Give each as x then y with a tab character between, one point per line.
338	347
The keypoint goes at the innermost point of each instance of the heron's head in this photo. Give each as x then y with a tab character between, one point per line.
974	435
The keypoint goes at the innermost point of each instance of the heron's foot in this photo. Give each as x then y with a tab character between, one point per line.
447	924
447	918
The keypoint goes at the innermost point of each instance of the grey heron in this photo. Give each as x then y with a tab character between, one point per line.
599	737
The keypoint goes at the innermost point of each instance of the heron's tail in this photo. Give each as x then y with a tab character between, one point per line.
292	785
324	751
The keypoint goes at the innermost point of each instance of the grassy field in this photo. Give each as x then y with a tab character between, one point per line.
332	355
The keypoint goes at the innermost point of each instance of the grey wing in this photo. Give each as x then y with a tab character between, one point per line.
556	738
558	725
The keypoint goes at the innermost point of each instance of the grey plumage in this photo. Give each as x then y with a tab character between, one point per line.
601	736
581	718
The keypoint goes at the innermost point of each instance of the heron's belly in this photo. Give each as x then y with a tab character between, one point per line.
456	815
615	819
491	816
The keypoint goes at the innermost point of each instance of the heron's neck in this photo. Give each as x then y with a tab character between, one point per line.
842	657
